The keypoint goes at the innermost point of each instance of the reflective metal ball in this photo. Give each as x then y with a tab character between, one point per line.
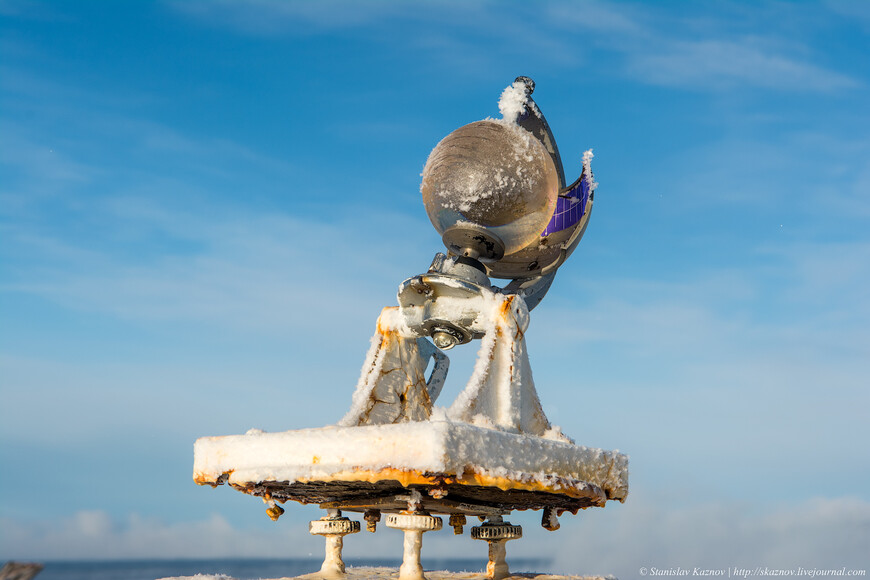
490	181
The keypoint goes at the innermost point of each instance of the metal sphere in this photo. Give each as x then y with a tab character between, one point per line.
492	175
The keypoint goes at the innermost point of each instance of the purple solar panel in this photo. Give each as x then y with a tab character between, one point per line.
569	208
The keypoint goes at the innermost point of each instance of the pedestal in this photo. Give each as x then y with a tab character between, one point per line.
414	525
497	532
333	527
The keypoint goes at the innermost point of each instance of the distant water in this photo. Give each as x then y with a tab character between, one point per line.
243	569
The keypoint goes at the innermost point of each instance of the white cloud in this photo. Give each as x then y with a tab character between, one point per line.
134	243
450	33
657	532
700	52
595	17
95	535
831	275
646	531
653	45
730	64
852	11
728	368
46	167
792	295
269	17
297	290
245	273
34	9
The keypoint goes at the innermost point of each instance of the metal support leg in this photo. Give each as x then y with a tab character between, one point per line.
497	566
333	527
497	532
414	525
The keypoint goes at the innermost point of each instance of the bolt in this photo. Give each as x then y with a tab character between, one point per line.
530	84
445	338
550	519
372	517
275	512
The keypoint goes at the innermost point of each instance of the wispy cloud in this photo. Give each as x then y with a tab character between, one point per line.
447	32
854	12
35	9
127	241
652	46
730	64
826	533
758	352
774	172
663	48
243	273
93	534
268	17
46	167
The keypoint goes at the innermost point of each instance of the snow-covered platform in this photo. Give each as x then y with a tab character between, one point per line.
455	462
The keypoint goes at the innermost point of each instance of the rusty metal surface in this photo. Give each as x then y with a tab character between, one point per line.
390	495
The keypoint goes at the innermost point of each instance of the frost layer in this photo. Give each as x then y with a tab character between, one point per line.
442	447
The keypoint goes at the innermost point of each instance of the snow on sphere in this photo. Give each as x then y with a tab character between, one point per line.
494	174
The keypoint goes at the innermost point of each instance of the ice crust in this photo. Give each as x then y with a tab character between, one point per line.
514	101
587	169
500	392
444	447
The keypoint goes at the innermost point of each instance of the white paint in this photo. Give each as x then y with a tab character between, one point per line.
413	525
333	565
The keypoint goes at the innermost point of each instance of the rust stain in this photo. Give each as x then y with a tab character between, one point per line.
208	479
558	485
274	512
381	329
506	306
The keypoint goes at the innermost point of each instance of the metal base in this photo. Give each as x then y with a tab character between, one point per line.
473	241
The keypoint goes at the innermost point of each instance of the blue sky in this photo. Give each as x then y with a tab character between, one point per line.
205	205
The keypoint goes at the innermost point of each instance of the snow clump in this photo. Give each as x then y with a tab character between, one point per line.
512	102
